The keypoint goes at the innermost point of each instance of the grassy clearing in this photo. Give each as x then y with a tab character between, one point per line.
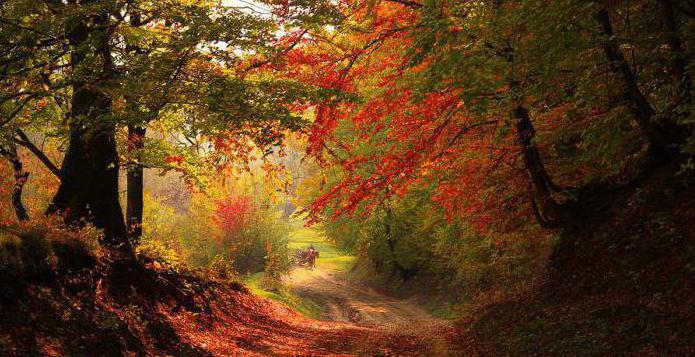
330	259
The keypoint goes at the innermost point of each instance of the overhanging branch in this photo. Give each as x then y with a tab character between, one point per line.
26	142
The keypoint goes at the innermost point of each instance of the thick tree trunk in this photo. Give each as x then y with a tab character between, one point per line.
89	185
135	205
678	60
664	136
89	174
20	178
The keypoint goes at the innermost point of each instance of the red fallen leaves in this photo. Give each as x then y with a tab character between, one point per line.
100	318
245	325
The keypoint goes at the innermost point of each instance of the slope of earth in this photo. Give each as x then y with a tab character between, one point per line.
245	325
112	310
622	285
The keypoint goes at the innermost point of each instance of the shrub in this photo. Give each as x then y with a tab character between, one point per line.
159	253
40	248
252	236
224	238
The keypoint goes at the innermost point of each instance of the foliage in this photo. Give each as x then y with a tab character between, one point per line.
86	72
182	65
439	84
227	236
445	135
412	241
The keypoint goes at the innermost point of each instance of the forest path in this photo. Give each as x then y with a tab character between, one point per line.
348	301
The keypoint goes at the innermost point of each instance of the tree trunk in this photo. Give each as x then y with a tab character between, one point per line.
20	178
545	208
678	60
89	185
405	273
679	67
663	136
89	174
136	143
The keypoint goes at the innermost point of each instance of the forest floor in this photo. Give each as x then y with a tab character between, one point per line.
86	318
115	308
340	315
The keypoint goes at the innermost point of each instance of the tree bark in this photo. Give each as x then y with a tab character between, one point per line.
89	174
136	143
664	136
135	195
678	61
89	185
545	208
20	178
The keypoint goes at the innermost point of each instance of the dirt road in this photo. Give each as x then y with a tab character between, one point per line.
344	300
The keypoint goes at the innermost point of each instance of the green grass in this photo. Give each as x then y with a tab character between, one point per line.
258	286
330	259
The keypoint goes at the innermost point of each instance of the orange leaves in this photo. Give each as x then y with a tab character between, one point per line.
322	128
455	29
405	132
174	159
243	324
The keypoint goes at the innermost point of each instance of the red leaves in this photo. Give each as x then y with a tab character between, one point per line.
243	324
174	159
406	132
234	213
322	129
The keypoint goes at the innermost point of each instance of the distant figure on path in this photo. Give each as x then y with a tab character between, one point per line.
312	254
306	256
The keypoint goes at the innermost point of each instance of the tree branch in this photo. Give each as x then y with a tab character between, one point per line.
24	141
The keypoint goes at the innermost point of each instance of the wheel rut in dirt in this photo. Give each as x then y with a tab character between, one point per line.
347	301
